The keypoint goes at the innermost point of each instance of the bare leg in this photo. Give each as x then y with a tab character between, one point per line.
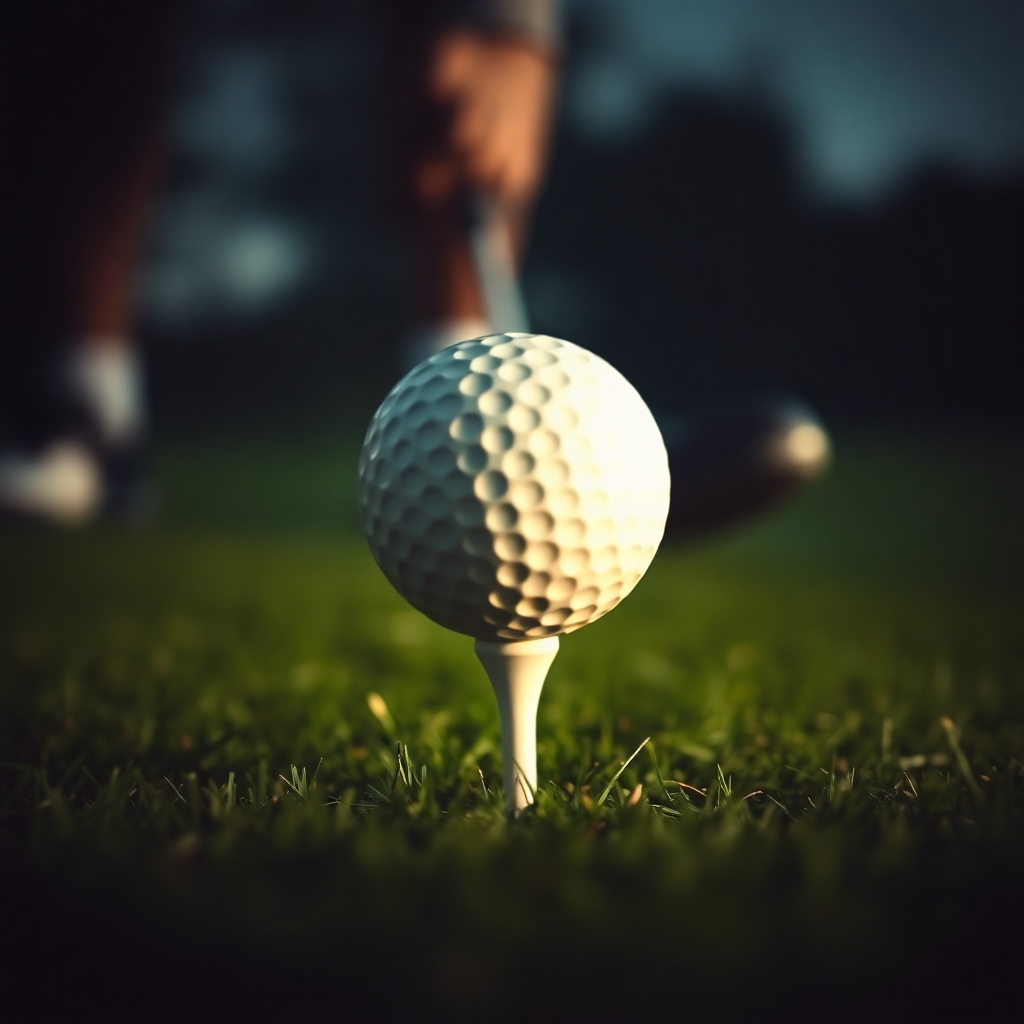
446	287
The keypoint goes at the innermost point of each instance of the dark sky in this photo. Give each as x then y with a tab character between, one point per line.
874	87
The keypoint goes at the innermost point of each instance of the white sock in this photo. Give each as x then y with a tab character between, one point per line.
427	339
107	376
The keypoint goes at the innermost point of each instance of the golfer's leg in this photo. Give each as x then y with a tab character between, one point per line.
446	288
470	109
92	78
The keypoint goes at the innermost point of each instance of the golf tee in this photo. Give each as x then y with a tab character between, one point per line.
517	672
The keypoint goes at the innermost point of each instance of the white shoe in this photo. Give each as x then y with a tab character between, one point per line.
63	485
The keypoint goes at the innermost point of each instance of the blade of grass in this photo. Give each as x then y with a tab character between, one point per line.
622	767
952	734
177	792
657	771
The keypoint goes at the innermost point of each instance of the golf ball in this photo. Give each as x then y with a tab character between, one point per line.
513	487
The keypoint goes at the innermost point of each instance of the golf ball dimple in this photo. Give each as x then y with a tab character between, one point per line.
513	487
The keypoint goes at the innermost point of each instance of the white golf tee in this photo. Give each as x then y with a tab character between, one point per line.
517	671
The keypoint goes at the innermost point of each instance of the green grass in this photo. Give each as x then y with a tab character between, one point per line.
205	814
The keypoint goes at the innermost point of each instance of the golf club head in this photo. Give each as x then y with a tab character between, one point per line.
734	464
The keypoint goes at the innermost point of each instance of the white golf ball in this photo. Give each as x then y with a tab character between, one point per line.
514	487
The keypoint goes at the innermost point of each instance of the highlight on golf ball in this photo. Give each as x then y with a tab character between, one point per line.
514	487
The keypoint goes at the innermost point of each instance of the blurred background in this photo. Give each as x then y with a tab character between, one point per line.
826	199
822	200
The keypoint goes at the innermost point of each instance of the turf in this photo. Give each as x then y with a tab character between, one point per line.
241	779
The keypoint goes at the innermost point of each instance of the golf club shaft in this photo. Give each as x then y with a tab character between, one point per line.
494	261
